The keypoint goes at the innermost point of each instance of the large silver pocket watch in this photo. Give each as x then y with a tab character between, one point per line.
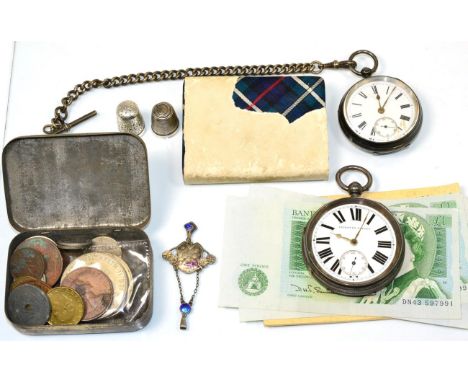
353	246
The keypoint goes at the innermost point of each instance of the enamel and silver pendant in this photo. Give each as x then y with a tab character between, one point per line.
188	257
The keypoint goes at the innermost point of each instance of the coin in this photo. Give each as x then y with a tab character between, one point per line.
68	256
105	244
129	277
113	269
53	259
27	262
28	305
67	306
31	281
94	287
73	245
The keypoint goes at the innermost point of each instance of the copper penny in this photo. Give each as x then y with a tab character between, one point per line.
27	262
53	259
30	281
94	287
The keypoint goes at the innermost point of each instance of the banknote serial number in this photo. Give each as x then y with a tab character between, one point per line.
431	302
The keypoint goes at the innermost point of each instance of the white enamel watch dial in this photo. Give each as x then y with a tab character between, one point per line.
353	243
381	114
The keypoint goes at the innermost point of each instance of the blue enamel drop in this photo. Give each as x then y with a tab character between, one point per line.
185	308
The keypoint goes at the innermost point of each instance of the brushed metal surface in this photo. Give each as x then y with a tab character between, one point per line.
76	181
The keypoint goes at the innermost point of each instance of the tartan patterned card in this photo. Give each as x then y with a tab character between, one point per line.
290	96
254	128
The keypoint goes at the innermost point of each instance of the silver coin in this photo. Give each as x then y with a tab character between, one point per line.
28	305
105	244
73	245
130	280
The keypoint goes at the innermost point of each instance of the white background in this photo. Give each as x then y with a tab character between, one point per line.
96	41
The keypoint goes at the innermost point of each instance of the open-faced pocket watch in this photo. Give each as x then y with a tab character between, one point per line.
353	246
381	114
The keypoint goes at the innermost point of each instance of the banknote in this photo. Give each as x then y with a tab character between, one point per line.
447	198
272	275
453	201
237	236
285	318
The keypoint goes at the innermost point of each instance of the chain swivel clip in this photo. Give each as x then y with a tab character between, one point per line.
316	67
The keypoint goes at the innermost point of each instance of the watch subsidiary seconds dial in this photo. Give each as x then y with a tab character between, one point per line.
353	246
381	114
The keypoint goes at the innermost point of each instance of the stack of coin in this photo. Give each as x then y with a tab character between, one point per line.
102	278
104	281
72	248
36	265
95	285
38	257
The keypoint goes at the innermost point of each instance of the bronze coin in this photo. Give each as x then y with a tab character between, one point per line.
30	281
53	259
94	287
27	262
67	306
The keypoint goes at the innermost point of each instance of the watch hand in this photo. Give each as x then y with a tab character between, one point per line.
382	109
352	265
354	241
340	236
378	99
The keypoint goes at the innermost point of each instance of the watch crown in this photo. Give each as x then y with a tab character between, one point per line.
355	189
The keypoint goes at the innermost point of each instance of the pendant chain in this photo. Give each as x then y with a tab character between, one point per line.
58	125
182	301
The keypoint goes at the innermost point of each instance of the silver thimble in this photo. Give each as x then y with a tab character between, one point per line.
164	121
129	118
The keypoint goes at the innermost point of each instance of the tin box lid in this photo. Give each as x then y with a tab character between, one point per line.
76	181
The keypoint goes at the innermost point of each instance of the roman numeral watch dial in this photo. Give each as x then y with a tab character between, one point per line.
353	246
381	114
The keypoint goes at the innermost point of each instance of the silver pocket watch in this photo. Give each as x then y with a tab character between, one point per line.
353	246
380	114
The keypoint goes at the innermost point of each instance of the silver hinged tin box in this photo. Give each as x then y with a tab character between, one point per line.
72	188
